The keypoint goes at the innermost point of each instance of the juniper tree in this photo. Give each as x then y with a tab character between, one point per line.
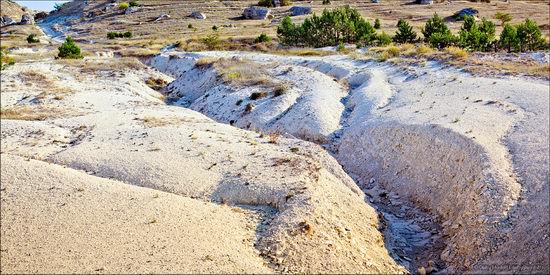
404	33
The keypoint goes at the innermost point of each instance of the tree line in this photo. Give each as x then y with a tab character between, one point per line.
346	25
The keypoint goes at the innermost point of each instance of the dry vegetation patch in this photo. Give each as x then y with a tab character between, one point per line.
35	112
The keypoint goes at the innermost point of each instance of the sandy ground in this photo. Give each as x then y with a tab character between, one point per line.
462	147
285	205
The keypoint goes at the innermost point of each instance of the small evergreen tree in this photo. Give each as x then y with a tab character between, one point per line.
404	33
529	35
435	25
69	50
509	38
503	17
287	32
477	38
377	24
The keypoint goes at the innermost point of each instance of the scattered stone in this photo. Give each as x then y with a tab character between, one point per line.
40	15
297	11
256	13
131	10
27	19
198	15
162	17
425	2
6	20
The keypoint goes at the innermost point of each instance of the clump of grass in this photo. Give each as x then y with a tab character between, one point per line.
423	50
258	95
156	84
456	52
204	62
34	112
273	138
280	89
153	121
249	107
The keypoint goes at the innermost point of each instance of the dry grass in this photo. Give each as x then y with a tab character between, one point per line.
240	72
456	52
34	112
95	65
156	121
48	86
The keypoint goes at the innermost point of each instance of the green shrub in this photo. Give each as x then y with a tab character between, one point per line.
113	35
123	6
262	38
404	33
32	39
435	25
509	38
530	36
69	50
477	38
134	3
377	24
383	39
212	41
190	26
215	28
442	40
329	29
326	2
5	60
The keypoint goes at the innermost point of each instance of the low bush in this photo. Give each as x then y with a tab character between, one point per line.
123	6
212	41
5	60
134	3
530	36
69	50
377	24
32	39
113	35
326	2
383	39
262	38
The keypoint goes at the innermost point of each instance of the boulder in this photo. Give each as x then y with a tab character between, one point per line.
131	10
40	15
27	19
464	12
162	17
425	2
256	13
6	20
198	15
296	11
